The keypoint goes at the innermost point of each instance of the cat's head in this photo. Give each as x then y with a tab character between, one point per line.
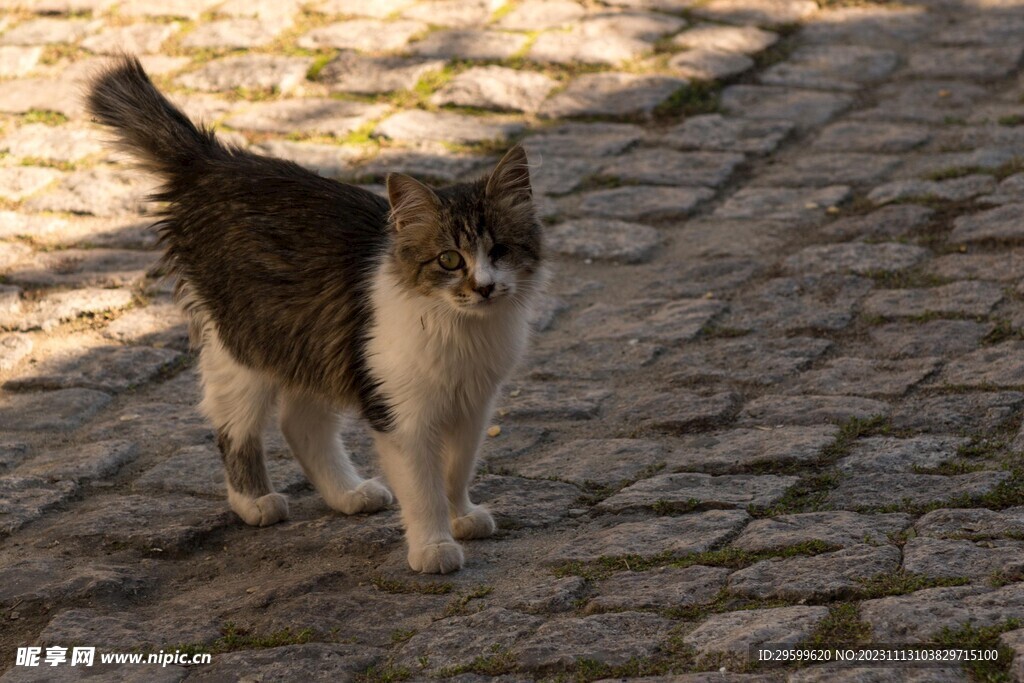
477	245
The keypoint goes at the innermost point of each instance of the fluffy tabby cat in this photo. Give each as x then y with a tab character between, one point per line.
322	296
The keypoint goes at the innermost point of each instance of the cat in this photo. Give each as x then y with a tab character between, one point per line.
322	296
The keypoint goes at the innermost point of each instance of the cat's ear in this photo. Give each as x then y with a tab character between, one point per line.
511	177
412	202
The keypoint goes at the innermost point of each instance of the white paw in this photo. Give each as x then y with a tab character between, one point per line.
436	558
370	496
477	524
263	511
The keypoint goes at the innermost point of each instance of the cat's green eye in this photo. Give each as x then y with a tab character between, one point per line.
450	260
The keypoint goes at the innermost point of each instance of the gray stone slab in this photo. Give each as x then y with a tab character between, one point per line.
545	595
742	39
460	640
496	87
868	136
39	141
840	528
127	629
644	202
954	190
991	366
46	94
50	411
883	25
976	411
44	579
748	359
206	473
251	72
832	67
604	240
601	461
52	309
103	368
935	338
733	633
648	319
423	126
715	238
1002	223
924	101
687	490
709	65
818	170
519	503
761	12
915	617
363	75
772	410
452	12
97	460
576	47
823	302
882	489
17	60
889	454
678	411
740	448
99	191
327	160
661	588
48	30
136	39
805	205
977	524
1006	265
865	377
561	175
606	639
365	35
886	222
659	166
26	499
469	44
971	63
380	9
690	533
20	182
13	348
309	661
611	94
84	268
583	140
234	34
968	297
978	561
324	116
536	15
551	402
426	162
829	576
593	360
714	132
859	258
805	108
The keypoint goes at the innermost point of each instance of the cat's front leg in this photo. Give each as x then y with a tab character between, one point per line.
414	469
461	445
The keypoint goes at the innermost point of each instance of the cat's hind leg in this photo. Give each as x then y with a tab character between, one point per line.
237	401
313	432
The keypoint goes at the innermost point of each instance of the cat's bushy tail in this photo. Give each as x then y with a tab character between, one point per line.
148	127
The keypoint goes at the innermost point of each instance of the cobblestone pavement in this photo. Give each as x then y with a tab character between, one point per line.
775	393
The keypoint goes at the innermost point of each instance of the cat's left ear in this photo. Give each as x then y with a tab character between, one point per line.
511	177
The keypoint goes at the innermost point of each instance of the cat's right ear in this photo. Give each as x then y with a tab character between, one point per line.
412	202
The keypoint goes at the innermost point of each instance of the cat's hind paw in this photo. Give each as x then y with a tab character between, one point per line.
370	496
263	511
436	558
477	524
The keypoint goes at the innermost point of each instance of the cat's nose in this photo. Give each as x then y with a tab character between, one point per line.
485	290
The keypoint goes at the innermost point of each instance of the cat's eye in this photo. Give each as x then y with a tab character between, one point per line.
450	260
497	251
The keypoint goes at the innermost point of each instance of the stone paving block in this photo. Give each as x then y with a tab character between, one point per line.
426	162
889	221
16	60
324	116
130	629
880	490
469	44
882	25
976	524
38	141
824	302
100	459
659	166
61	410
379	9
1007	192
839	528
274	11
365	35
26	499
955	189
48	30
549	402
836	67
869	136
534	15
13	348
644	202
424	126
607	639
234	33
354	73
830	169
709	65
805	108
980	561
661	588
496	87
649	319
972	63
453	12
206	473
1002	223
859	258
978	160
1015	640
327	160
611	94
460	640
156	325
308	661
19	182
690	533
978	411
100	191
559	176
828	576
742	39
925	101
252	72
738	449
845	673
714	132
38	94
968	297
917	616
761	12
605	240
519	503
84	268
773	410
782	203
583	139
99	367
56	580
936	338
1004	265
180	9
569	48
688	490
546	595
746	238
888	454
864	377
733	633
748	359
679	411
988	366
